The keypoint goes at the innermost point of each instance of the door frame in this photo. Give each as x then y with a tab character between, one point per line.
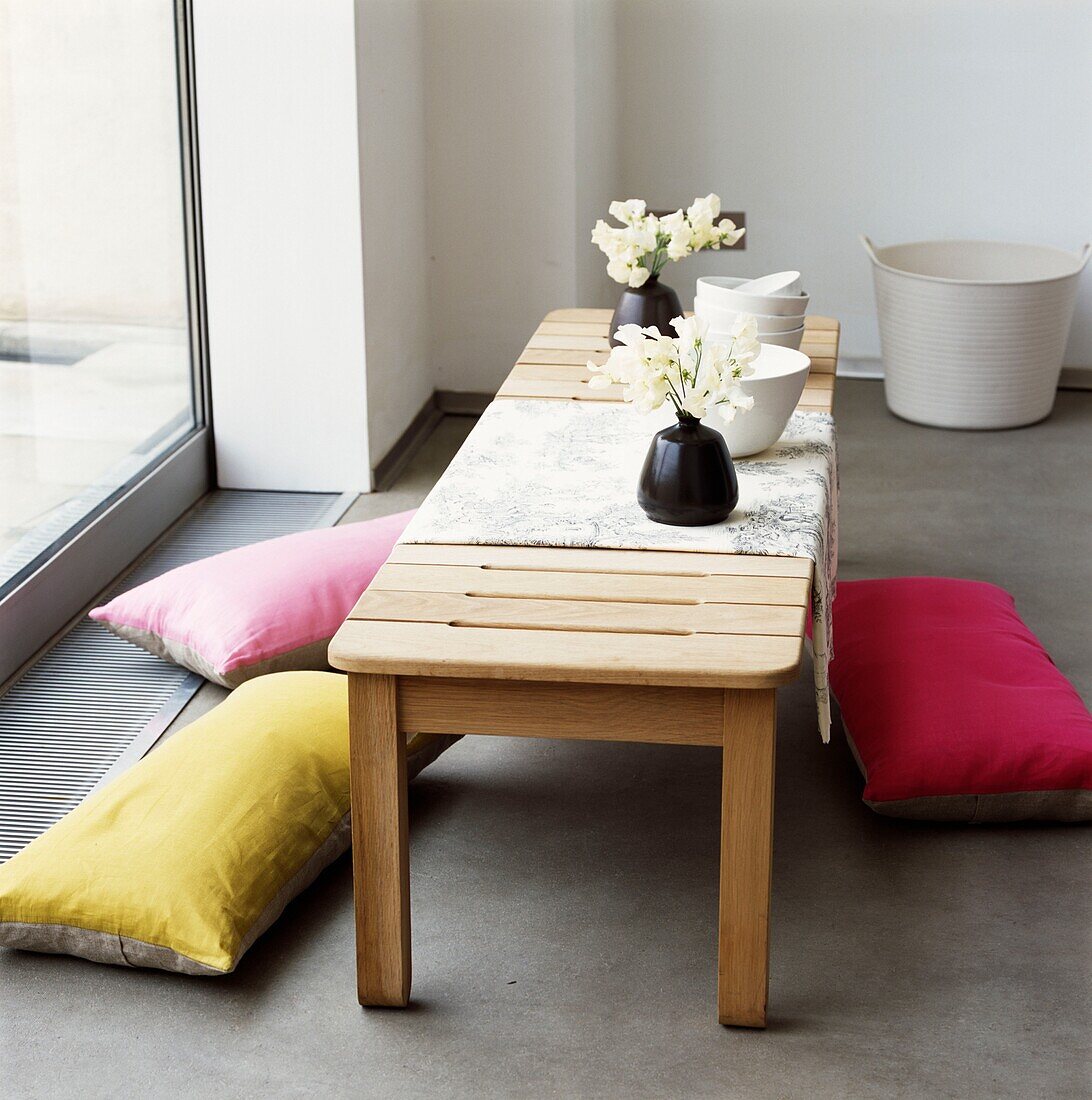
45	601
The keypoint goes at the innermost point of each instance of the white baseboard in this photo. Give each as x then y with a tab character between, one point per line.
1073	378
859	367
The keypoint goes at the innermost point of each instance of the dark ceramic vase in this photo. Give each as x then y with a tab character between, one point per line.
651	304
688	479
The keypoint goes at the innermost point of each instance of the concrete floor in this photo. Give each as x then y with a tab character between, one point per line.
564	894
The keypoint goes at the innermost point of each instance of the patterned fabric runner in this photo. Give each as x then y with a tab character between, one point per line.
564	473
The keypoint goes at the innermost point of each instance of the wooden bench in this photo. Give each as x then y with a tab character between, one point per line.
616	645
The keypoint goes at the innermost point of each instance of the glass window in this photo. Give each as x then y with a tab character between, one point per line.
97	379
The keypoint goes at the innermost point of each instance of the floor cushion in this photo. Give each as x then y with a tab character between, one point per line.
954	710
269	607
186	858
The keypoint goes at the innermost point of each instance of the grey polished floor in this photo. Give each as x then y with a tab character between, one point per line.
564	894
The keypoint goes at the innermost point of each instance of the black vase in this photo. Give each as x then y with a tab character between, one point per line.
688	479
651	304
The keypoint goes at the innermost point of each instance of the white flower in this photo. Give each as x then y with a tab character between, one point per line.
681	244
618	270
629	212
735	400
603	235
728	233
637	240
637	250
679	236
691	330
695	377
706	209
701	214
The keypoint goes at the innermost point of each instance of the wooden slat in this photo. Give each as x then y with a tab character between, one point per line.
580	315
578	358
573	328
820	400
609	617
821	364
550	372
819	381
815	400
624	587
603	316
591	712
820	338
585	343
696	660
580	560
557	390
819	351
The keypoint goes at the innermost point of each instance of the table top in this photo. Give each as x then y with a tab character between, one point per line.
664	618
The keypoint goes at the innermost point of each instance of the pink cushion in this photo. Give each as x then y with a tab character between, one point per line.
954	709
268	607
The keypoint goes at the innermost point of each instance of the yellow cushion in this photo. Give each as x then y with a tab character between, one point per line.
183	861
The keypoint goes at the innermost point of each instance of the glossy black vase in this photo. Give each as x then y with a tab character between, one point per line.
651	304
688	479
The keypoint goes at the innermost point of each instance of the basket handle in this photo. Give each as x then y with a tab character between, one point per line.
871	249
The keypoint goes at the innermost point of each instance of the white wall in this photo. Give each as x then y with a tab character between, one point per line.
820	119
502	175
393	173
598	122
277	110
905	121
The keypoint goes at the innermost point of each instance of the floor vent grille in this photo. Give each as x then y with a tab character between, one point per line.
94	704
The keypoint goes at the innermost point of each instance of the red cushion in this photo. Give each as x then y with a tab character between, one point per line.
953	706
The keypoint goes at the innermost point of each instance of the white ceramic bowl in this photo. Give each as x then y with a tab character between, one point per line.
723	319
776	386
780	282
791	339
720	291
769	325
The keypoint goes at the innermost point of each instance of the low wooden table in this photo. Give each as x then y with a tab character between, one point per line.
615	645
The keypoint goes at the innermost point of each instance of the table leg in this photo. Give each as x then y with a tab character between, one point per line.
746	848
377	775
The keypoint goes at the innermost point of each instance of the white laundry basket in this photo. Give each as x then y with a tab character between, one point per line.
973	332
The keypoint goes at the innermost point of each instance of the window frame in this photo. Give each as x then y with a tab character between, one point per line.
45	601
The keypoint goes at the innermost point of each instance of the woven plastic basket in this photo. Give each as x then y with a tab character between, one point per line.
973	332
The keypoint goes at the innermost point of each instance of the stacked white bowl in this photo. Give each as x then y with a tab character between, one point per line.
777	302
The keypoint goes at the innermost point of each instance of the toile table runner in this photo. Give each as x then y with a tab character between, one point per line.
564	473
